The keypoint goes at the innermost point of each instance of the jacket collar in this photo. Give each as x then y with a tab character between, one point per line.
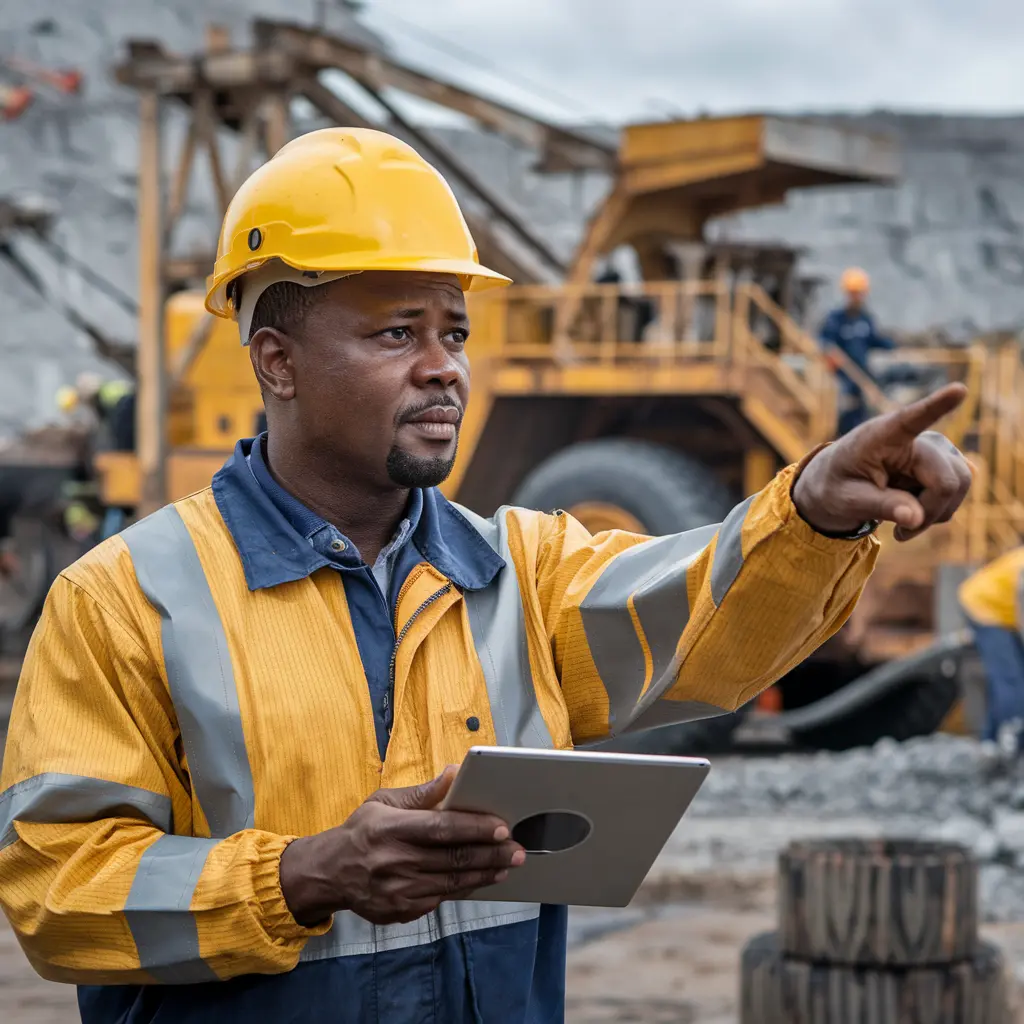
274	552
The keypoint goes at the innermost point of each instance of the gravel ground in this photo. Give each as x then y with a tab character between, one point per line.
940	786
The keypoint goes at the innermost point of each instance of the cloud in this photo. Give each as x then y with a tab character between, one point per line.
644	58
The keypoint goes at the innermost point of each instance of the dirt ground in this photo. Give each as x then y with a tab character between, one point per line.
671	958
662	964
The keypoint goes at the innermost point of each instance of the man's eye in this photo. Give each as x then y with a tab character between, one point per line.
396	333
460	337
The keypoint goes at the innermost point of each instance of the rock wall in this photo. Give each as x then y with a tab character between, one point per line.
945	248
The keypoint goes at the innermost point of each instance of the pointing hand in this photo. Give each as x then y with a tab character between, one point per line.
892	469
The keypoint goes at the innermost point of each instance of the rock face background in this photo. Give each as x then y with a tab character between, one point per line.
945	248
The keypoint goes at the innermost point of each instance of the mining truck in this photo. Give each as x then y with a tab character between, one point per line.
652	405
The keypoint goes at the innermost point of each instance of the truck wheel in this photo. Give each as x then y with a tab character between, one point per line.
628	484
645	488
778	990
878	903
917	708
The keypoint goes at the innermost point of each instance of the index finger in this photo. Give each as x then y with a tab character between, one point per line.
917	417
448	828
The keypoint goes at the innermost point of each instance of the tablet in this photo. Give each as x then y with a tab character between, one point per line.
592	822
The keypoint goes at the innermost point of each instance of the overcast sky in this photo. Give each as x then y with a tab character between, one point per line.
646	59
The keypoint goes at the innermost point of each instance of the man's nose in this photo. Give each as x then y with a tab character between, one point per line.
439	365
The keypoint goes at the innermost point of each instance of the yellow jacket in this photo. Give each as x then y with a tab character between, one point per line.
992	596
179	718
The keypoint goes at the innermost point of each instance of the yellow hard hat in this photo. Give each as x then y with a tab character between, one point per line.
856	281
344	199
66	398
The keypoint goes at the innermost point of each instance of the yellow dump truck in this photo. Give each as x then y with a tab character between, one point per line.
651	406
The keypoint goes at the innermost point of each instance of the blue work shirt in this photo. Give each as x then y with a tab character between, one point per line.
855	333
371	592
511	973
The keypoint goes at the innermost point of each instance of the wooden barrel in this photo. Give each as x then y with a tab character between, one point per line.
864	902
775	989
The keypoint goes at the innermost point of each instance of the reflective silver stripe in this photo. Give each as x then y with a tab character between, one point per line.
671	712
499	634
728	558
654	575
54	798
199	670
157	910
352	936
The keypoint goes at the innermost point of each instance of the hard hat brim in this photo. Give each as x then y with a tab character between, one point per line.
475	277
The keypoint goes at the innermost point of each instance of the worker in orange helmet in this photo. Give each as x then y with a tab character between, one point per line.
852	330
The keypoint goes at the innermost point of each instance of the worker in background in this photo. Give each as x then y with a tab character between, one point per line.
111	406
991	600
233	730
852	330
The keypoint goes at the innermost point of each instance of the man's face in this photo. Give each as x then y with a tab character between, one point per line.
377	377
855	301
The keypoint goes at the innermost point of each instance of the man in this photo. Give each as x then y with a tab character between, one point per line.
852	330
231	733
991	601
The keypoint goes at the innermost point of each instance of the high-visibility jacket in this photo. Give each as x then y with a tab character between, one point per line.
193	699
993	595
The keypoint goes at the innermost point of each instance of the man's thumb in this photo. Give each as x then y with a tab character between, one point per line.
423	797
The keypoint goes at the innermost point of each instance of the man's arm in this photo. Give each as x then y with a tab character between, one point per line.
92	878
650	632
878	341
646	633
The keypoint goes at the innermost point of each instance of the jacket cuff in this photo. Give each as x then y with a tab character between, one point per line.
274	913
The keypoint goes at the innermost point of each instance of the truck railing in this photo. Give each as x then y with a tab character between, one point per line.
740	327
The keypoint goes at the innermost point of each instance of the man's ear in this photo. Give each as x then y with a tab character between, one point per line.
271	353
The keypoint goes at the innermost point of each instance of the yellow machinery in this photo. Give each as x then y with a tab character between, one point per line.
697	377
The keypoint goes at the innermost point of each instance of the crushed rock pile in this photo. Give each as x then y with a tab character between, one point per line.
942	787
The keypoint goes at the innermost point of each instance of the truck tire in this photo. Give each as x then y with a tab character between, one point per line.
916	708
878	903
664	491
778	990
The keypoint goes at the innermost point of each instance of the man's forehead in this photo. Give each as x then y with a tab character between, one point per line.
383	290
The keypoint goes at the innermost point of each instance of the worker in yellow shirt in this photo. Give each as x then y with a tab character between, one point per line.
231	737
991	600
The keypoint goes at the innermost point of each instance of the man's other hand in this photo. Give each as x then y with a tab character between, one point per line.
892	469
397	858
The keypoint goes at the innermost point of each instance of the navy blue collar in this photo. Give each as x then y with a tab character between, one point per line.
274	552
308	523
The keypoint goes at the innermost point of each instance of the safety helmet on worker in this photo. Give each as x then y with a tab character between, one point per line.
856	281
66	398
336	202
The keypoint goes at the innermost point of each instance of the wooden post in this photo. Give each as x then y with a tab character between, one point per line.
277	122
152	394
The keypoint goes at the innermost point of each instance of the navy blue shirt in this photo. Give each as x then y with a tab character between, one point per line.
855	333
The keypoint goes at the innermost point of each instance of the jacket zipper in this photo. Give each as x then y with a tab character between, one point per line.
389	696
